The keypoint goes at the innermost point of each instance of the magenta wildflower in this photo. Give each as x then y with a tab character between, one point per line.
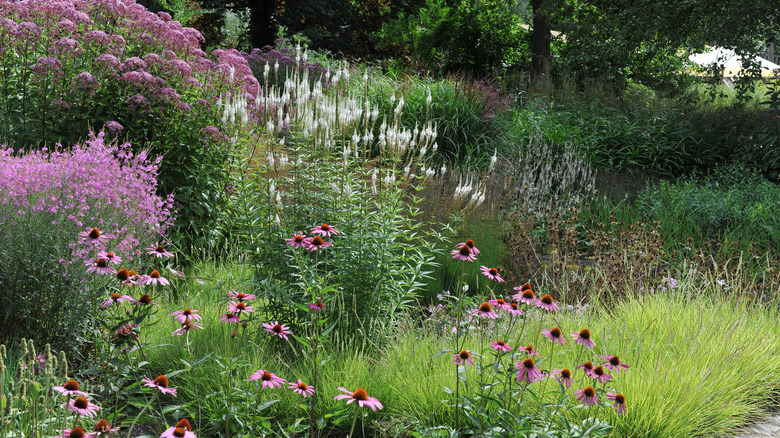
240	296
161	383
319	306
183	315
463	253
155	278
239	307
564	377
613	363
601	375
110	256
514	309
555	335
582	337
116	299
587	396
231	318
361	396
103	427
528	372
546	303
297	240
491	273
500	346
99	266
181	430
325	230
315	243
123	275
71	387
500	304
186	326
76	432
301	388
620	402
526	296
93	236
145	300
588	368
278	329
82	406
159	251
529	350
269	379
462	357
485	310
470	244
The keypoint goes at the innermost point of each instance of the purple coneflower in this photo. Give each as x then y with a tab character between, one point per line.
76	432
463	253
269	379
546	303
82	406
588	368
301	388
587	396
529	350
161	383
159	251
93	236
526	296
319	306
527	371
123	275
297	240
325	230
110	256
500	346
116	299
361	396
555	335
231	318
462	357
155	278
514	309
240	296
181	430
499	303
485	310
470	244
145	300
491	273
278	329
315	243
183	315
620	402
99	266
186	326
71	387
582	337
613	363
103	427
239	307
564	377
600	375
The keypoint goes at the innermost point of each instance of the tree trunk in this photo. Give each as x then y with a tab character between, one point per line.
540	47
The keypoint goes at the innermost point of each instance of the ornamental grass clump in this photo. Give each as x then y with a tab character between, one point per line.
61	211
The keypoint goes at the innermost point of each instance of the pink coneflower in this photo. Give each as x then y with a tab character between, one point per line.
325	230
564	377
491	273
555	335
601	375
71	387
463	253
582	337
76	432
315	243
99	266
485	310
82	406
546	303
527	371
500	304
155	278
145	300
123	275
620	402
93	236
231	318
500	346
470	244
301	388
128	331
529	350
186	326
116	299
159	251
462	357
110	256
278	329
587	396
526	296
240	296
588	368
183	315
361	396
297	240
161	383
239	307
269	379
613	363
103	427
514	309
181	430
319	306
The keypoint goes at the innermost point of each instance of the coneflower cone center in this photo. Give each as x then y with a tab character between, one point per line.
470	243
132	273
178	432
620	398
94	233
589	392
145	299
325	227
76	432
101	263
277	328
566	374
161	381
115	296
465	355
71	385
155	274
485	307
493	271
298	238
241	306
614	360
110	255
122	274
465	250
528	293
266	376
360	394
184	423
547	299
302	386
159	248
102	426
187	312
528	363
588	365
81	403
500	301
529	349
598	371
585	334
556	332
500	343
240	296
317	240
